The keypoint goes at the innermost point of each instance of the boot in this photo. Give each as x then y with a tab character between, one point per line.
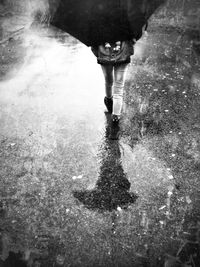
108	103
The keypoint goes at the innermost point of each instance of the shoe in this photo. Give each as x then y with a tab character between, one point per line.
115	129
115	119
108	103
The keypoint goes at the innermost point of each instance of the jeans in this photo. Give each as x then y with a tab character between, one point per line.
114	84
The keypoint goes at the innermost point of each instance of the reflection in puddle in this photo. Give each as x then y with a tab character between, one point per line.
112	187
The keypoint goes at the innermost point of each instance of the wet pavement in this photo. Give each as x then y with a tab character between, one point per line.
70	196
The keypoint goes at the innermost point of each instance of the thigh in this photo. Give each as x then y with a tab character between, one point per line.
120	72
108	72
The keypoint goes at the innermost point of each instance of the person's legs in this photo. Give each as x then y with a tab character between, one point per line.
108	75
119	80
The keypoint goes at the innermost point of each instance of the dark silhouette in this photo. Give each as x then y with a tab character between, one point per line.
94	22
112	187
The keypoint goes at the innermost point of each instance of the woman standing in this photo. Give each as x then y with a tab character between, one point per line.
114	59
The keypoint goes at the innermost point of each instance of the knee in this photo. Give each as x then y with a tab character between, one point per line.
118	90
118	96
108	79
108	74
119	79
119	83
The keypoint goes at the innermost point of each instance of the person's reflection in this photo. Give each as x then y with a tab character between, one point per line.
112	187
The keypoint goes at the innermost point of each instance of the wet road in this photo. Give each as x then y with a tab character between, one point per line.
72	197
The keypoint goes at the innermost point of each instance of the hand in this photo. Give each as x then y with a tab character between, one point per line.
134	41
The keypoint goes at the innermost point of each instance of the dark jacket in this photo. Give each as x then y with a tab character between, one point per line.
113	56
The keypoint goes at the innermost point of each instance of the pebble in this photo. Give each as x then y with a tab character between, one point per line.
77	177
161	208
12	144
188	200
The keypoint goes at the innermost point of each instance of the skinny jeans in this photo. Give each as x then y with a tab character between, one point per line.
114	84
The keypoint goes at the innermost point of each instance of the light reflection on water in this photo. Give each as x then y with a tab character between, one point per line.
56	79
62	86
